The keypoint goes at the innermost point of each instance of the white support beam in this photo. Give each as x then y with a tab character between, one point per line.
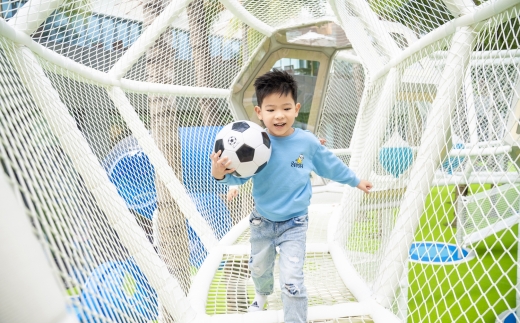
30	291
357	35
103	78
432	151
471	114
246	17
376	130
347	57
355	26
378	30
170	89
32	14
148	38
64	127
365	152
481	13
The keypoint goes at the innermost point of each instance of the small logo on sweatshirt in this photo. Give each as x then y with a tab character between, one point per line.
298	163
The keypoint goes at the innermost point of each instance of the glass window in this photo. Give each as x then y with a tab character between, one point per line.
135	32
230	49
183	46
107	33
9	8
215	44
93	30
121	34
78	31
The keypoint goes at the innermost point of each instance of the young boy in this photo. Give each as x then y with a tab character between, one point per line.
282	193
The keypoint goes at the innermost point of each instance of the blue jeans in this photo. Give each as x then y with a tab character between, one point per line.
290	236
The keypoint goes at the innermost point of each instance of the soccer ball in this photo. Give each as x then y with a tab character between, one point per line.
247	146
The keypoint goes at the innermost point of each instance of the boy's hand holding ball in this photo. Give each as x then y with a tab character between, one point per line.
219	167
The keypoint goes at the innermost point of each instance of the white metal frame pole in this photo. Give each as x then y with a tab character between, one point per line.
431	152
379	31
475	18
365	147
376	127
348	57
471	114
162	168
354	29
148	38
247	18
64	127
30	292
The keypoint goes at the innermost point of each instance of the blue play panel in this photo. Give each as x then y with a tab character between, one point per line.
134	177
131	171
508	316
452	163
117	291
395	160
436	252
511	318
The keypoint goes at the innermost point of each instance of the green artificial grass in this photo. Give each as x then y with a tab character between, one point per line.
473	291
73	291
129	285
217	301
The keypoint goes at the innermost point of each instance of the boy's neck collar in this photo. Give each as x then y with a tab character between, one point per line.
295	130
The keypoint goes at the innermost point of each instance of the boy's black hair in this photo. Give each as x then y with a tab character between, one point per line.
275	81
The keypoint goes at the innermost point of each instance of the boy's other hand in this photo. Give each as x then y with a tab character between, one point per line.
365	186
323	141
219	166
232	193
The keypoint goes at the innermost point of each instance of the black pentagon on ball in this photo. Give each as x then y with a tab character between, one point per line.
260	168
240	126
219	145
267	141
245	153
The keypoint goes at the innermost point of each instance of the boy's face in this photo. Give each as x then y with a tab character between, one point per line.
278	113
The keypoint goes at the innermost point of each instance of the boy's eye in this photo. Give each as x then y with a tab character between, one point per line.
287	109
269	110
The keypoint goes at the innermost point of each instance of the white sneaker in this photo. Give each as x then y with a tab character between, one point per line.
254	307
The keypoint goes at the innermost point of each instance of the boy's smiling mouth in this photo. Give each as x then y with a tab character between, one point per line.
279	124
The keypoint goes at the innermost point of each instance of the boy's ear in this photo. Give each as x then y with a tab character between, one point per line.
297	108
258	110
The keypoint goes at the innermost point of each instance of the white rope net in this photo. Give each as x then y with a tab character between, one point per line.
339	113
108	113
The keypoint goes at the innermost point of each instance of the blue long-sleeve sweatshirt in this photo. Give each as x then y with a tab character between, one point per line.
282	190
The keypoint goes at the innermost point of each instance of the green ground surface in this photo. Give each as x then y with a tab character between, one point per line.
218	303
474	291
